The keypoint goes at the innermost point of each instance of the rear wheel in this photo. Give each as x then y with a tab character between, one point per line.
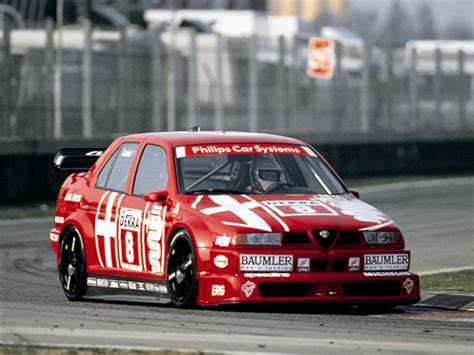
181	270
72	268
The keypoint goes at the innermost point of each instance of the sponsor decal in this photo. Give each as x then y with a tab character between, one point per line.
73	197
102	283
408	285
221	261
123	284
266	262
218	290
128	152
128	238
387	273
354	264
154	229
59	220
244	148
381	262
251	275
129	243
113	284
294	208
353	207
223	241
303	264
53	237
248	288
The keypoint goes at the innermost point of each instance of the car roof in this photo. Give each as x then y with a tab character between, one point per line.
179	138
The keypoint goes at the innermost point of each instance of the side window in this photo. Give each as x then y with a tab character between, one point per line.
104	174
119	174
152	172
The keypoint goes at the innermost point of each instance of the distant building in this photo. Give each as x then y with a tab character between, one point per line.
308	9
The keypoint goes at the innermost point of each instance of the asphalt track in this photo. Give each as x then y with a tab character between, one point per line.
436	218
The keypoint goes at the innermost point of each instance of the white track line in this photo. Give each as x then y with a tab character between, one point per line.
449	269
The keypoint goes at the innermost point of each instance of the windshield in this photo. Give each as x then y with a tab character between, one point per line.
253	169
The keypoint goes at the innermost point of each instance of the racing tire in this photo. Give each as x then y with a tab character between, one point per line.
72	265
181	271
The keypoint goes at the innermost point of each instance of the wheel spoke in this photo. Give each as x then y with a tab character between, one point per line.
188	264
68	282
172	276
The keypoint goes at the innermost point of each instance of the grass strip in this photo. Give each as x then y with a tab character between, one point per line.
449	281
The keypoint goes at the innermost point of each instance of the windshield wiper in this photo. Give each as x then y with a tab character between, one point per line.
215	191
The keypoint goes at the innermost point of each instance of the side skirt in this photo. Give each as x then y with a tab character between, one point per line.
116	288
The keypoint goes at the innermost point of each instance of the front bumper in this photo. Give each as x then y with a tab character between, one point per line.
396	288
329	278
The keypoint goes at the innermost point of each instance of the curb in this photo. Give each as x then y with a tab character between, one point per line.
458	301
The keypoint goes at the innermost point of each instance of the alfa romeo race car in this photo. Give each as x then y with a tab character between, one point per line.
221	217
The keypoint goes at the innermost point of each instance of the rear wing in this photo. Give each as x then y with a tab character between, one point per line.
76	159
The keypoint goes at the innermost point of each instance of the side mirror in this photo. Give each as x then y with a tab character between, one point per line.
355	193
156	196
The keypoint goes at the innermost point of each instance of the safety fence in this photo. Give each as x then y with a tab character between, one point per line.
59	84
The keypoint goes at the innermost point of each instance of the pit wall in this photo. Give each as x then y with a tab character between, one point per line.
26	174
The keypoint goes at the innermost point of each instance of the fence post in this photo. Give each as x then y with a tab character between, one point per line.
192	79
413	88
157	82
437	89
461	96
389	88
87	80
218	88
171	95
365	92
58	130
253	82
121	79
49	82
7	125
292	85
337	89
282	97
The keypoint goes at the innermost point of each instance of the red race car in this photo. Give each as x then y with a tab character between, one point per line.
221	217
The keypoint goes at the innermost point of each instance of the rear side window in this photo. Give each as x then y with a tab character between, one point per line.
152	172
117	178
104	174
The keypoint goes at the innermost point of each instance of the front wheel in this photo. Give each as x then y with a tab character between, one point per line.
181	270
72	266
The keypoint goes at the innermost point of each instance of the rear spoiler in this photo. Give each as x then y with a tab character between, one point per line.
76	159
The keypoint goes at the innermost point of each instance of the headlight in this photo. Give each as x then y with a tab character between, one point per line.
383	237
258	239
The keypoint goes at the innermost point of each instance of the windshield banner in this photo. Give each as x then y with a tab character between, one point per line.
243	148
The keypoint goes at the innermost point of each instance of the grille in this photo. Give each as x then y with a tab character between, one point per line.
325	243
295	238
348	238
284	289
372	288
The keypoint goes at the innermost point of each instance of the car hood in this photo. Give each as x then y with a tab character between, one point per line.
283	213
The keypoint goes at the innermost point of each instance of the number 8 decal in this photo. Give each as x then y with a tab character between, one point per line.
129	247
